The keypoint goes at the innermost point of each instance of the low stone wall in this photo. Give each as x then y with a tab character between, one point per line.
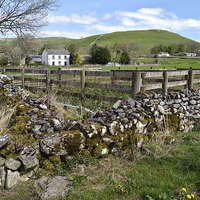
38	136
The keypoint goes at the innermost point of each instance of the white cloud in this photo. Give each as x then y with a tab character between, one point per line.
107	16
155	18
127	22
73	18
151	11
67	34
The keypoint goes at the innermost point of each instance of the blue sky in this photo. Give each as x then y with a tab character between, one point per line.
76	19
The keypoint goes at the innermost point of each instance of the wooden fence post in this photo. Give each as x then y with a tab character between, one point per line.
22	78
165	82
136	82
59	76
83	87
186	78
4	70
48	86
143	76
190	81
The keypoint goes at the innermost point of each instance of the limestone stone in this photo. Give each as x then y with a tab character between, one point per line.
11	178
52	187
12	164
28	158
2	176
4	138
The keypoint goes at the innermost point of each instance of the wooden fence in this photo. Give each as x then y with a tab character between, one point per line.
135	80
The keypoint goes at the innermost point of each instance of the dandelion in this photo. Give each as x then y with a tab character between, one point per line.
183	189
188	196
127	192
192	195
119	185
122	189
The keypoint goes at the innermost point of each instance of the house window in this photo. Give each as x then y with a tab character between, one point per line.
59	57
65	57
65	63
53	63
53	57
59	62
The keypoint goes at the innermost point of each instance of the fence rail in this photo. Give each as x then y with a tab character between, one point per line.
135	80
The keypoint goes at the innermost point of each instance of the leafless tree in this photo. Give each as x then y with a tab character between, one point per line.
22	16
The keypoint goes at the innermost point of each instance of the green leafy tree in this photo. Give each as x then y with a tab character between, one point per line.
77	59
171	49
71	58
161	48
117	57
92	53
125	58
102	56
181	47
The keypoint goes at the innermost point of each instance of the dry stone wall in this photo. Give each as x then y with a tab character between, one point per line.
37	136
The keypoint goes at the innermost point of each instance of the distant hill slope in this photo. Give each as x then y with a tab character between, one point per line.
147	39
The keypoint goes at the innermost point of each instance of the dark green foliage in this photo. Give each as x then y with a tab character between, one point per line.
124	59
71	58
102	55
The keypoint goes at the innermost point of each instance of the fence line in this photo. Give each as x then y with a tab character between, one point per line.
139	80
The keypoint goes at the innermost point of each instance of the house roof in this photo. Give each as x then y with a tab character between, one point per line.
57	52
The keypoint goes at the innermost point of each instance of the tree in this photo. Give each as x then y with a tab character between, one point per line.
71	58
125	58
171	49
102	55
77	59
27	44
74	48
192	47
154	50
92	52
117	57
3	61
22	16
181	47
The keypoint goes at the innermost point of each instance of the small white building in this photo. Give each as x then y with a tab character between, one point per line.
163	54
56	57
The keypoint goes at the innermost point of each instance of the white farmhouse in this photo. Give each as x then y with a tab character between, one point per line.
56	57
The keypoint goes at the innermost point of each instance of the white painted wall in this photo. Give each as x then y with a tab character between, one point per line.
56	60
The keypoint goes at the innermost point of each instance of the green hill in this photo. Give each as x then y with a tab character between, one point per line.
147	38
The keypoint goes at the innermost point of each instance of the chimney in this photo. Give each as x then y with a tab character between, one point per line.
44	46
65	47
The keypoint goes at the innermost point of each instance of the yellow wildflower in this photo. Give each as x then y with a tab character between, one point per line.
192	195
127	192
183	189
119	185
188	196
121	189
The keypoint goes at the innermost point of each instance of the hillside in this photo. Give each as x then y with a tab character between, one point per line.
147	39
